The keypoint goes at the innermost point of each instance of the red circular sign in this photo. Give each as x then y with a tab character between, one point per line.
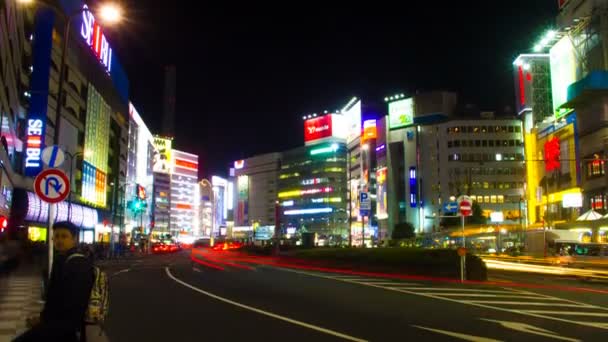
52	186
465	206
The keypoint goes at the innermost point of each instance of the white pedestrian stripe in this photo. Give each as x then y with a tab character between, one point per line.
510	300
458	335
530	329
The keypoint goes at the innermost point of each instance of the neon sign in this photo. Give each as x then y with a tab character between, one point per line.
34	143
91	32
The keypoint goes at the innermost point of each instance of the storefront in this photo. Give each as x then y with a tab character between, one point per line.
30	215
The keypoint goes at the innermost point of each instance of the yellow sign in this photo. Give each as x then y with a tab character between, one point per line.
162	161
36	234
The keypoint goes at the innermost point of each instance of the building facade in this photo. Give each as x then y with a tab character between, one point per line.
184	193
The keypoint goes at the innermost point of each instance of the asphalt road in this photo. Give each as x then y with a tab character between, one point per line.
171	298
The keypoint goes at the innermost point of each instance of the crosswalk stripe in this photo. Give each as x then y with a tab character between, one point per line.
388	283
569	313
457	289
499	302
451	294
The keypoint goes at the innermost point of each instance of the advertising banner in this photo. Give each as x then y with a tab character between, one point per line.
564	71
381	191
401	113
317	128
353	122
162	161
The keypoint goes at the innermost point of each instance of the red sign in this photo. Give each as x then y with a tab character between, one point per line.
186	164
465	205
141	192
52	186
461	251
552	153
318	128
562	3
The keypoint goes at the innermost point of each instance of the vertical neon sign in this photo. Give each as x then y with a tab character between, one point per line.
91	32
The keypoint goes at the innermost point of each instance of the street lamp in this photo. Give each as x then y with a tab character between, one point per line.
109	13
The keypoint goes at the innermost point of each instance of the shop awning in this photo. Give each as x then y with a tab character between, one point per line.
590	215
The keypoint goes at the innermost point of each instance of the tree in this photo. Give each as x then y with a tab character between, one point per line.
403	230
477	217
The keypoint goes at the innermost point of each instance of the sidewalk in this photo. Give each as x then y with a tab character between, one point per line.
20	296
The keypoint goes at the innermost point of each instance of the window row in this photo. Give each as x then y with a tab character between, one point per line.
493	199
485	143
486	185
595	168
485	157
487	171
483	129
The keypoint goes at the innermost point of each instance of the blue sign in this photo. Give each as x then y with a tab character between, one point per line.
365	204
450	207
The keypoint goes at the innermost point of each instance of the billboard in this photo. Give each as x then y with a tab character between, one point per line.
564	71
162	162
369	130
352	116
242	213
325	127
382	199
401	113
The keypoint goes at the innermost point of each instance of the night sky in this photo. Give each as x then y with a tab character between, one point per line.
247	73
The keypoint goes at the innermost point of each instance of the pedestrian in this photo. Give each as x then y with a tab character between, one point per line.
69	289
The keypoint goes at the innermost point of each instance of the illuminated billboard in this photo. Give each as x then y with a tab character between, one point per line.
352	116
162	161
324	127
381	191
242	213
401	113
369	130
97	130
92	34
563	73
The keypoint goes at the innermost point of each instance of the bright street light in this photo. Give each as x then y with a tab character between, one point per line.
110	13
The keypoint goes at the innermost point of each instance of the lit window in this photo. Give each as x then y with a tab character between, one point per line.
595	168
492	199
501	199
486	199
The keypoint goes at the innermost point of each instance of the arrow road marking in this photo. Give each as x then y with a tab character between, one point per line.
458	335
527	328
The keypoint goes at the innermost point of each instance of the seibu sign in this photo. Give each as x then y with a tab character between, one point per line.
91	32
33	146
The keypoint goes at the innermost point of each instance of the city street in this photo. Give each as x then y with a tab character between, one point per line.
171	297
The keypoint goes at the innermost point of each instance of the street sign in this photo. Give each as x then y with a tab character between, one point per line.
450	207
365	204
465	205
53	156
461	251
52	186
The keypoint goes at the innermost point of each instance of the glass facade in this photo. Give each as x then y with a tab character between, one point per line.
313	190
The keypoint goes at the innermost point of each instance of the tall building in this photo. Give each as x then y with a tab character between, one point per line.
168	128
92	124
184	194
162	166
256	190
139	173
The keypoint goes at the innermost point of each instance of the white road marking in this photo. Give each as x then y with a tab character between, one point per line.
121	271
265	313
457	289
196	270
597	325
530	329
499	302
387	283
458	335
569	313
451	294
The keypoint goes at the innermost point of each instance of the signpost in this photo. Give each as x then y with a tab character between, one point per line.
465	208
365	207
450	208
52	186
53	156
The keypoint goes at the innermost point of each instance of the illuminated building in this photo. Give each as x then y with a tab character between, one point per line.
162	166
567	148
255	190
93	105
433	158
312	190
184	193
139	171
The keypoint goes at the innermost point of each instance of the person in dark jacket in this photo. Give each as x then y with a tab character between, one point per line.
67	297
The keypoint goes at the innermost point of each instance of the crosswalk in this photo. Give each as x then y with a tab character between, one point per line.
512	300
19	298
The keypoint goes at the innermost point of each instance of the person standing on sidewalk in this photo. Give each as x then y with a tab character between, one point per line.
67	297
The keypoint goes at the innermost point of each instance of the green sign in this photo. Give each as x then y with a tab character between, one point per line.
401	113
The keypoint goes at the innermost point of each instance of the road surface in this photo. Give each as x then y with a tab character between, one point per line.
170	297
